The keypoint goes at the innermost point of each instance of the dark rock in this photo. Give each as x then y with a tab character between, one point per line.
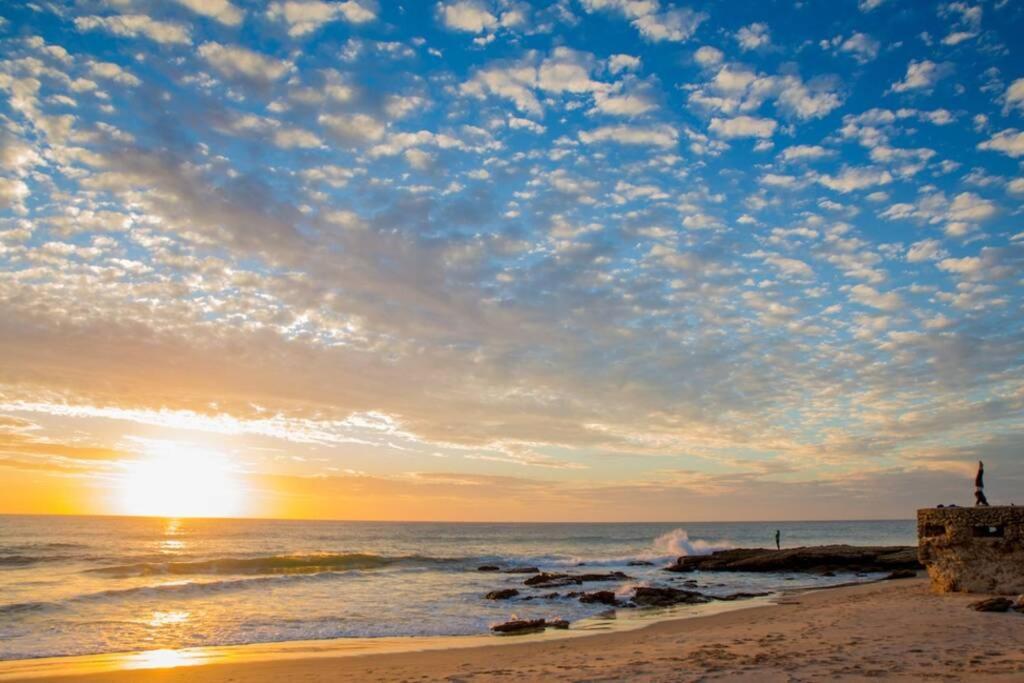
557	623
992	605
902	574
814	559
740	596
504	594
648	596
520	626
550	580
828	573
599	597
522	570
639	563
488	568
554	580
551	596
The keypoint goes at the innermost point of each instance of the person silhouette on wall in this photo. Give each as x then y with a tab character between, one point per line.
778	538
979	486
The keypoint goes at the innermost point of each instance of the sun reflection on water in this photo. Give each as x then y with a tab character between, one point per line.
169	618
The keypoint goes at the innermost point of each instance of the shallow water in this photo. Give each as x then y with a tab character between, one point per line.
83	585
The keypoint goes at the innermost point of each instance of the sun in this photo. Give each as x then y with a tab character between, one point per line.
180	480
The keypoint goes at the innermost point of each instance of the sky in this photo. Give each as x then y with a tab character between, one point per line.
500	260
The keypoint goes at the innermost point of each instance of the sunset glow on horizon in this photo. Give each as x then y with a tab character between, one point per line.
501	260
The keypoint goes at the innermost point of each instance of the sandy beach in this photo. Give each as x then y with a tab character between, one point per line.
896	630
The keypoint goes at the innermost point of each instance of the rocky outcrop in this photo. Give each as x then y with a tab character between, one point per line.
815	559
650	596
505	594
554	580
522	570
599	597
517	626
488	568
992	605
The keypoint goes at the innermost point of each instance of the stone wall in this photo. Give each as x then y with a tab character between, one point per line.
973	550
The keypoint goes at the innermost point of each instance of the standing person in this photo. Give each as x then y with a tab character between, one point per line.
778	540
979	486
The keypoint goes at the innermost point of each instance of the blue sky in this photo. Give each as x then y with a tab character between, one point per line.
623	258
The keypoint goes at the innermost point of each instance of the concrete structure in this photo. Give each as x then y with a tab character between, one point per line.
973	550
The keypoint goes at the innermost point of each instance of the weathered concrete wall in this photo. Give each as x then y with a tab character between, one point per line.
973	550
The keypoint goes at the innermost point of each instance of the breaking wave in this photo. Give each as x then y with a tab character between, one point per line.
677	543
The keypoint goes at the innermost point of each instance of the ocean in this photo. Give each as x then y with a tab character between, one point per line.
90	585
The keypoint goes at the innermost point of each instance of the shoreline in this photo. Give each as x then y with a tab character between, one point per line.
897	629
623	621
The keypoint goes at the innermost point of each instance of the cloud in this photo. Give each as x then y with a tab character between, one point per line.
654	24
306	16
967	20
658	136
708	56
221	10
921	75
467	15
804	152
135	25
869	296
743	127
1013	98
925	250
850	179
869	5
1009	142
233	61
620	63
960	215
353	128
863	47
753	37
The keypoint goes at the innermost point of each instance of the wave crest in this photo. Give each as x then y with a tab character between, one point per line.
315	563
677	543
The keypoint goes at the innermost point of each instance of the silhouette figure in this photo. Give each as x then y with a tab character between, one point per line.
778	536
979	487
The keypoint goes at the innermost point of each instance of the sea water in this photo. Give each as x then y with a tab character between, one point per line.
87	585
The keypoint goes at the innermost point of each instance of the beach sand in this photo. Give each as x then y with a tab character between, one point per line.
896	630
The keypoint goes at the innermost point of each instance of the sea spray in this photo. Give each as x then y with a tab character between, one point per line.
677	543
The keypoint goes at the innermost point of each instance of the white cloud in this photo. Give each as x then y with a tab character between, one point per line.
925	250
743	127
753	36
113	72
1009	141
869	296
863	47
921	75
467	15
960	215
221	10
353	128
134	25
967	22
658	135
291	138
1014	96
619	63
801	152
306	16
708	56
850	179
675	24
233	61
868	5
791	267
13	193
1015	186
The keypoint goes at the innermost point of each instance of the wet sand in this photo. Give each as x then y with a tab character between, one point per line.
894	630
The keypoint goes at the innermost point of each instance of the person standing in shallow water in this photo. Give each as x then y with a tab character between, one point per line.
979	486
778	540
